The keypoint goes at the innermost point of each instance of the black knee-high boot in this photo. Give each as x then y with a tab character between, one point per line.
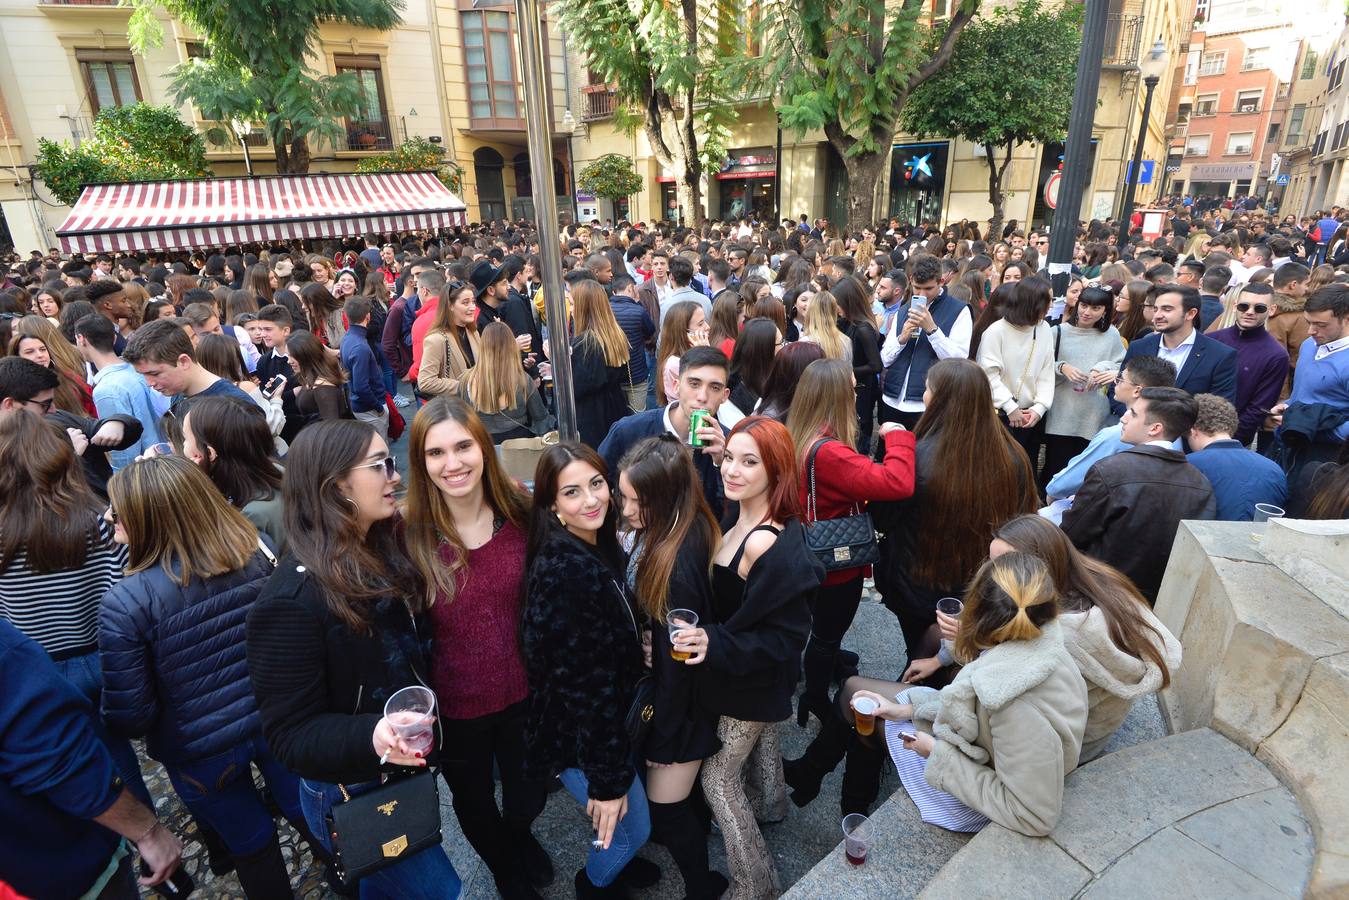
819	670
262	874
676	826
862	777
822	756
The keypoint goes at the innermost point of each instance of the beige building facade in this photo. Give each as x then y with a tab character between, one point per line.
935	178
60	62
1316	154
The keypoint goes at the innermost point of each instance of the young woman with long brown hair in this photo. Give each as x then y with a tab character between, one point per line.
836	480
500	391
338	629
39	340
261	282
171	645
583	652
465	532
763	577
319	380
725	325
234	447
854	304
452	344
1122	650
599	359
1131	319
323	312
676	536
685	326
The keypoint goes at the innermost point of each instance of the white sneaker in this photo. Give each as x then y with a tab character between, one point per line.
401	402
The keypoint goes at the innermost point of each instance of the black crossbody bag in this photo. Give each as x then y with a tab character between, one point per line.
389	823
843	543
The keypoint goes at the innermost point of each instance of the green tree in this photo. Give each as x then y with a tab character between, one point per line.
139	142
668	63
611	177
847	67
256	67
989	95
417	154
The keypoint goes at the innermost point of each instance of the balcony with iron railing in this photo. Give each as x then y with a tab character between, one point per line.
375	135
1123	41
597	102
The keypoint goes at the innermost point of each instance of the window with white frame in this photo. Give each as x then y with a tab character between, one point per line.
1197	144
1239	143
1206	105
1192	67
1249	101
1255	58
1214	63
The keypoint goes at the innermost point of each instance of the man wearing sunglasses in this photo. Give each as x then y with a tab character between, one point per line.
1262	362
26	385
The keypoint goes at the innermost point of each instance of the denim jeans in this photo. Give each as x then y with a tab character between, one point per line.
219	791
428	875
651	376
86	674
603	866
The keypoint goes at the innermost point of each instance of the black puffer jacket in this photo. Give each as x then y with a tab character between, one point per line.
173	661
584	657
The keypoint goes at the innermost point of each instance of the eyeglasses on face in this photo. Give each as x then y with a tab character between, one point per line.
388	463
1247	307
44	405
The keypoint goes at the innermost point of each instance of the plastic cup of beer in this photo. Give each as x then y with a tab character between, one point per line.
856	837
412	713
864	715
678	620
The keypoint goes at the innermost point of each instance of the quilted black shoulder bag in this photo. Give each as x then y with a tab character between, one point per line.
843	543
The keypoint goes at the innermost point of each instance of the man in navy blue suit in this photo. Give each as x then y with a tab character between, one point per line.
1203	365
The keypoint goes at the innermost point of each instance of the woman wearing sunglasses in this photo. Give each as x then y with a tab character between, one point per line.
339	628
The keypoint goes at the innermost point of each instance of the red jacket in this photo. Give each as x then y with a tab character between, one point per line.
844	477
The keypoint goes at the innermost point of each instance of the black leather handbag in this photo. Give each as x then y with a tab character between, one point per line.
384	825
643	707
843	543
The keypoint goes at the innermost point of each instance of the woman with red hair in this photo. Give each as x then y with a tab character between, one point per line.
763	577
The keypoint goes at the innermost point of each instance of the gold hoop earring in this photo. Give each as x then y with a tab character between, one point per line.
561	521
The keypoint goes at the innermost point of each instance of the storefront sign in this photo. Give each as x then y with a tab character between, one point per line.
749	164
1223	171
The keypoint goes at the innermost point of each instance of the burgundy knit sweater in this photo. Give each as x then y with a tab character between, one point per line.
476	666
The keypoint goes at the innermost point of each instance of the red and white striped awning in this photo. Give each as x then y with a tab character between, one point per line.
221	212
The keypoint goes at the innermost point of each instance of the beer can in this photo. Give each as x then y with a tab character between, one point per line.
697	418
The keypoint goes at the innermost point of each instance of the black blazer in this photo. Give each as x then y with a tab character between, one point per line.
754	649
320	686
269	366
1130	506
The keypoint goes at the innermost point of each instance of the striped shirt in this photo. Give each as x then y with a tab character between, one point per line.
59	609
936	807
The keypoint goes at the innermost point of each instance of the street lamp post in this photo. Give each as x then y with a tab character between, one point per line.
1152	67
241	130
569	126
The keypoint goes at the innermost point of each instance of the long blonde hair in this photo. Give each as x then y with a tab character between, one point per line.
594	321
824	405
161	502
822	325
498	381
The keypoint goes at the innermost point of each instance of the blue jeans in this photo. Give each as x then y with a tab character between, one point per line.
651	376
219	791
86	674
428	875
603	866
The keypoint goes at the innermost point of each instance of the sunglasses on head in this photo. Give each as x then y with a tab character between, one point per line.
1247	307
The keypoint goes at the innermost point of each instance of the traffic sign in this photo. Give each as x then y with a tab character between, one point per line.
1282	179
1052	190
1146	170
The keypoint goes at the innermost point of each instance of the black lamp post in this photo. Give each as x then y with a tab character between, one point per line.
1152	67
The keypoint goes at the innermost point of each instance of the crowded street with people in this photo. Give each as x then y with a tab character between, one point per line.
294	545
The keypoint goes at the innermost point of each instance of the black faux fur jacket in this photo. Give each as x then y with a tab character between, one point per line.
584	657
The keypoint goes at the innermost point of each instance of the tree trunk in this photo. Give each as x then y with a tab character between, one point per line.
864	173
679	155
996	173
292	154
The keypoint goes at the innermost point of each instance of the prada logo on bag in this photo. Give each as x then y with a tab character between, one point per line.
396	846
647	712
842	554
387	808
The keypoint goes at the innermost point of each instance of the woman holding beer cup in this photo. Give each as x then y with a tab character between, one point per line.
337	631
763	577
583	655
667	573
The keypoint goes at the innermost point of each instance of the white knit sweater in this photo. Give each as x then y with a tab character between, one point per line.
1019	360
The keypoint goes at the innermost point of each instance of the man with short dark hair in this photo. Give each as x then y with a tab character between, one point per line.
681	273
1211	286
1191	272
118	388
162	352
396	341
1131	504
1240	477
110	301
736	259
938	328
1262	364
26	385
638	328
1203	365
601	268
889	296
703	378
365	387
204	321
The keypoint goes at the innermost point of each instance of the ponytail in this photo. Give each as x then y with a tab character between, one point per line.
1011	598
